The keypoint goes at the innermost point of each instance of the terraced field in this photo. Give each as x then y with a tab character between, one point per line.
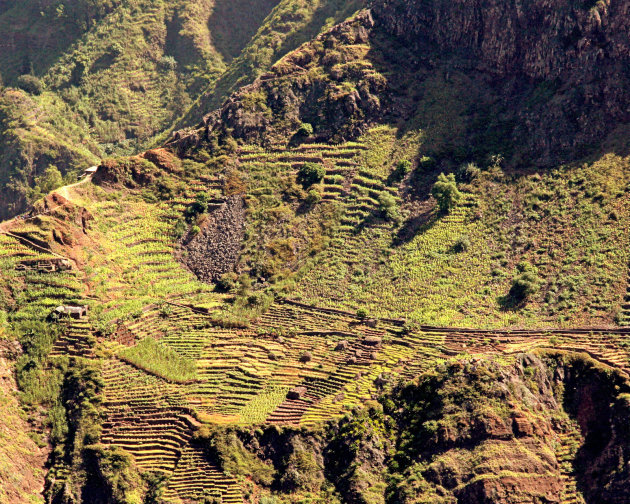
297	363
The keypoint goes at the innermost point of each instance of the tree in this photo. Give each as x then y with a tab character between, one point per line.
30	84
445	192
50	180
525	283
310	173
199	206
314	196
306	129
387	206
168	63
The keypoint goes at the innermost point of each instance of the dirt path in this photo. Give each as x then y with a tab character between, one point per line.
64	191
61	191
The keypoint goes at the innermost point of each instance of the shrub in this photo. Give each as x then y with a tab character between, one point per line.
180	228
195	230
462	244
310	173
165	310
306	129
468	172
387	206
168	63
50	180
403	168
445	192
117	49
427	163
30	84
228	282
306	357
314	196
199	206
525	283
362	313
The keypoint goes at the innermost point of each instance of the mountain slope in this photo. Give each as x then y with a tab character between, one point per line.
124	71
354	281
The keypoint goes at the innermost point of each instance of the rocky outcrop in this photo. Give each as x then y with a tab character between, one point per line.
215	249
561	65
327	83
479	432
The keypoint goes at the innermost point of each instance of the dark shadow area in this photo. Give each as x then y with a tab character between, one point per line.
234	22
596	399
508	302
32	42
419	223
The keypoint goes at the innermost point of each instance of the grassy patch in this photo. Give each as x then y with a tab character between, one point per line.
153	357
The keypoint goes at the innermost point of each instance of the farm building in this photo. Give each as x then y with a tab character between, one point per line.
76	312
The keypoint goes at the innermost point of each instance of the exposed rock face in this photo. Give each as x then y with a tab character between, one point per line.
601	405
327	82
476	431
555	73
482	433
561	64
215	249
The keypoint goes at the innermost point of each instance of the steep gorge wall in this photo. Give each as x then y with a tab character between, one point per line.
562	65
476	431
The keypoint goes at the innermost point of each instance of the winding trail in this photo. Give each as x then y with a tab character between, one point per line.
61	191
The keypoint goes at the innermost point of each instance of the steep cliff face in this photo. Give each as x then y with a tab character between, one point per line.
552	76
601	406
561	65
327	82
333	83
539	429
479	432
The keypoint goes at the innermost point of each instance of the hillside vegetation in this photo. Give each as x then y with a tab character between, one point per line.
124	72
366	276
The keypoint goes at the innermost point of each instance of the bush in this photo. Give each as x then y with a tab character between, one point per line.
362	313
199	206
306	357
314	196
306	129
50	180
403	168
310	173
445	192
228	282
525	283
180	228
387	206
30	84
462	244
427	163
168	63
468	172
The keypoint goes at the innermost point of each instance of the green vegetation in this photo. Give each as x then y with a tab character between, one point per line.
310	173
525	283
329	364
306	129
30	84
161	360
105	78
445	192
